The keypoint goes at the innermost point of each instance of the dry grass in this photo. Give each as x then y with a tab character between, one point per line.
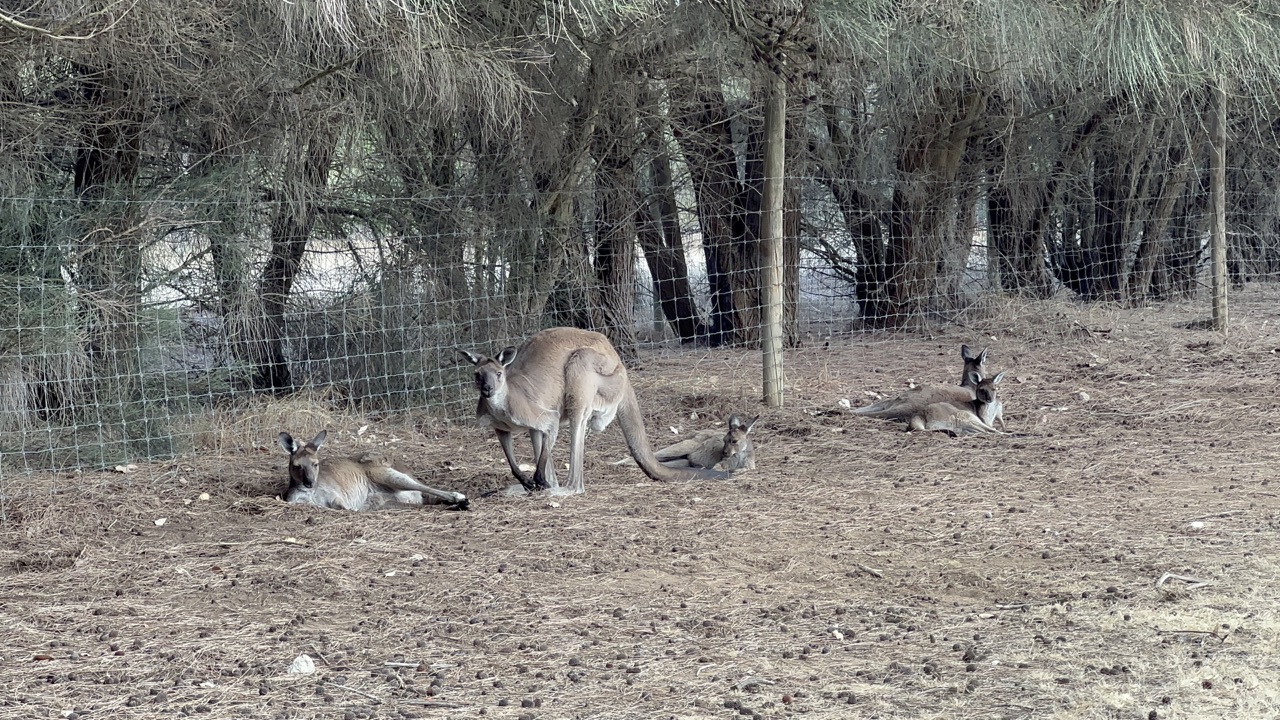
860	572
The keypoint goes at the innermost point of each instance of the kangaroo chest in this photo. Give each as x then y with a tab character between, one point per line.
498	418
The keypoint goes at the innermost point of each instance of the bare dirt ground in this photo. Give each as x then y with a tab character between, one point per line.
860	572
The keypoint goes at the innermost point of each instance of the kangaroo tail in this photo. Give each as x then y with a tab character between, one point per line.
632	424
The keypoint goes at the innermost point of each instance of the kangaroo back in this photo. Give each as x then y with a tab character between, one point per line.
632	424
915	399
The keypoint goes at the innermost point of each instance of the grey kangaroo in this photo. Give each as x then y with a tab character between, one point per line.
564	375
949	408
960	418
993	411
729	450
369	483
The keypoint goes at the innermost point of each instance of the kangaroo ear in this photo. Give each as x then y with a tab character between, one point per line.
975	377
288	443
965	353
734	422
471	357
751	424
318	440
507	355
996	380
982	356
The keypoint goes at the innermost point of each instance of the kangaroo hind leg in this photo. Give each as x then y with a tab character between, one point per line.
399	481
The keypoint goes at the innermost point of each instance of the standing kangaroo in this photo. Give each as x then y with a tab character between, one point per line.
563	375
728	450
348	484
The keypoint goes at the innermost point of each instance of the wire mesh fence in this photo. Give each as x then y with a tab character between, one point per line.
330	200
99	372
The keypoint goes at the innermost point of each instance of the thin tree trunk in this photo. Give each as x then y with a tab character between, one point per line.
1155	235
701	124
928	163
663	245
615	258
860	220
110	267
295	216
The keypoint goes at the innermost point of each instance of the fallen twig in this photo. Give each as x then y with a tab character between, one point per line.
870	571
434	704
361	693
1193	583
1213	515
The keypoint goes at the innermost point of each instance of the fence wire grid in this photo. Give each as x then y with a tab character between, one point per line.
182	237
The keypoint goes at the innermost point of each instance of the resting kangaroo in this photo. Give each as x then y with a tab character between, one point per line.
950	408
728	450
972	363
902	406
911	401
348	484
993	411
959	418
563	375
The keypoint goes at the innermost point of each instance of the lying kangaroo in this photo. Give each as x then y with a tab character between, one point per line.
951	408
729	450
369	483
960	418
993	411
563	375
972	363
908	403
901	407
945	417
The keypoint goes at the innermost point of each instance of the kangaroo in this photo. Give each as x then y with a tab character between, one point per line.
948	418
958	418
369	483
993	411
909	402
949	408
972	363
564	375
730	450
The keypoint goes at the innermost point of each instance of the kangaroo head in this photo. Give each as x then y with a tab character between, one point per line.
735	438
972	363
304	460
985	388
491	372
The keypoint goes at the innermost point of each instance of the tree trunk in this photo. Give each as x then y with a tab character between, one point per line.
1155	235
663	245
928	163
294	218
425	158
615	258
110	266
701	124
1018	234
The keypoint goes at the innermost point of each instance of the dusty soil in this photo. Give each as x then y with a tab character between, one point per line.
861	571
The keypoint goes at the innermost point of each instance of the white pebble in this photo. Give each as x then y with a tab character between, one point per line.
302	665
